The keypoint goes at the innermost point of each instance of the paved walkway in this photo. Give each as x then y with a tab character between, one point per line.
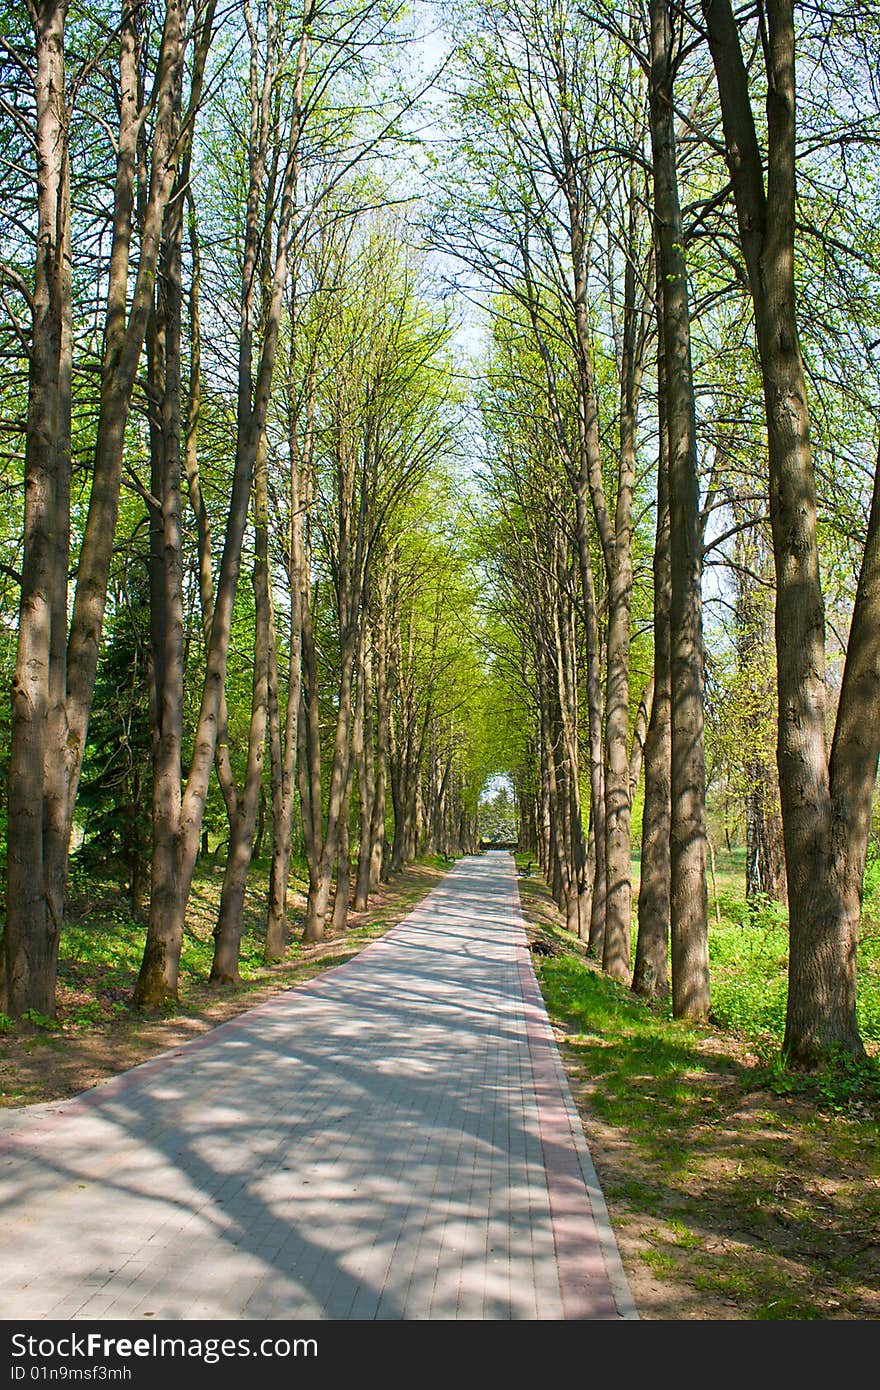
395	1139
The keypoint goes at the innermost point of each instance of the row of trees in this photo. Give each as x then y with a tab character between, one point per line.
220	354
681	270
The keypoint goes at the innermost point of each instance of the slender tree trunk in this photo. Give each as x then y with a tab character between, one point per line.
279	869
58	809
617	548
575	853
556	870
309	740
688	904
319	892
377	817
618	870
401	740
765	849
616	541
596	719
284	769
639	737
222	763
650	974
366	771
230	922
544	836
343	860
166	571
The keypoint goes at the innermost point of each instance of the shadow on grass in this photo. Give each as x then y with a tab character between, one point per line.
757	1190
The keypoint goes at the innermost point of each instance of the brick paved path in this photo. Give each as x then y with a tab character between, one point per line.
393	1140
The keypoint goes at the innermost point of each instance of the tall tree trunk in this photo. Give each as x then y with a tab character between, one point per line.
230	922
618	871
825	803
765	848
166	564
544	836
222	762
556	866
377	817
688	903
56	745
650	974
319	888
402	752
343	859
284	761
35	897
366	771
615	535
158	976
595	717
575	848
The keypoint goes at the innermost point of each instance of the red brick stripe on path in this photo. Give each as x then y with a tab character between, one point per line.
583	1277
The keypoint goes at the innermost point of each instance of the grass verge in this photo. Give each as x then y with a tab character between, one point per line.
736	1190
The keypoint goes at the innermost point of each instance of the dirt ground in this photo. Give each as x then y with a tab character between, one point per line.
814	1256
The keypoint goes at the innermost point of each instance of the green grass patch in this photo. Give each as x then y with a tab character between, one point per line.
647	1061
749	982
102	946
745	1182
748	959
